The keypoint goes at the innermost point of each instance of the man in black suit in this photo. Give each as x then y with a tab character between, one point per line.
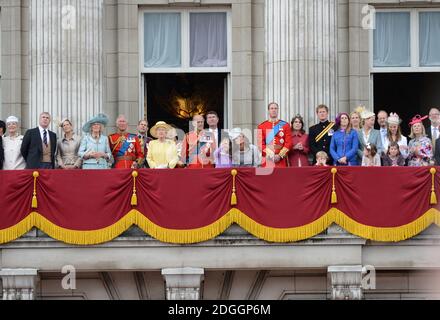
39	145
320	135
433	129
212	119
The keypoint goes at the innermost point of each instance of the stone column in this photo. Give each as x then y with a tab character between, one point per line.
183	283
19	284
346	282
301	56
65	59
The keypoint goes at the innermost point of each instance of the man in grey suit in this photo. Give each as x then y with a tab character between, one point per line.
39	145
368	134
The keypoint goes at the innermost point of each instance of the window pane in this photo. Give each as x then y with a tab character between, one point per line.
429	36
392	40
162	40
209	40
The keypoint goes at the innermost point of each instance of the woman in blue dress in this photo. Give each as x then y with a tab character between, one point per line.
95	148
345	142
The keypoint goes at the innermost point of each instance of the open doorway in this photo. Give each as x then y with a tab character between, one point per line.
175	98
407	94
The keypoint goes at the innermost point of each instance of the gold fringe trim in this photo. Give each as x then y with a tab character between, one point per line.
279	235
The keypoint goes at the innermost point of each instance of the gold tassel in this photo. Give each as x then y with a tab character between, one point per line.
35	174
234	195
433	195
334	196
134	200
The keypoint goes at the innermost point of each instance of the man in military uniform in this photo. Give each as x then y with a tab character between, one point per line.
125	147
274	139
320	134
144	140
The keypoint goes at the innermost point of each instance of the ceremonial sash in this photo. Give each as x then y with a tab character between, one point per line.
275	131
195	152
324	132
125	146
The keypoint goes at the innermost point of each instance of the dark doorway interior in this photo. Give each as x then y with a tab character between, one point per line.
174	98
407	94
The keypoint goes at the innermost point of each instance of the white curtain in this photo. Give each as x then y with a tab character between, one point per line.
429	36
392	40
162	40
208	37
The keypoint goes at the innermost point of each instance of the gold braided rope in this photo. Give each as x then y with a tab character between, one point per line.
334	196
134	200
35	174
433	195
234	195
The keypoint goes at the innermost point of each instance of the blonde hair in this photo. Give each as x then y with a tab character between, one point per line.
322	154
360	118
412	135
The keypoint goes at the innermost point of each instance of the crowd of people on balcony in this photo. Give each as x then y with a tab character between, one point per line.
351	140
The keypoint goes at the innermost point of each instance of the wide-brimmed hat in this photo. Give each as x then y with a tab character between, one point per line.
160	124
366	114
235	133
394	119
11	119
417	119
100	118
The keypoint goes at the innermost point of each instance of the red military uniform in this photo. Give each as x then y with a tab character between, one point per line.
275	138
196	153
126	149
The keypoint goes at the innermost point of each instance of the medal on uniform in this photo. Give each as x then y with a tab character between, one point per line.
282	141
281	134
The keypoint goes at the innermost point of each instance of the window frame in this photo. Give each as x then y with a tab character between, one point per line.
185	41
414	43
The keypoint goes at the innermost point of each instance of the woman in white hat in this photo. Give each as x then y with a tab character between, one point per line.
11	145
244	154
95	148
162	153
68	147
368	135
394	134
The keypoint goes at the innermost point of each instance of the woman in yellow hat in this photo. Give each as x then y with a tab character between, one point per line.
162	153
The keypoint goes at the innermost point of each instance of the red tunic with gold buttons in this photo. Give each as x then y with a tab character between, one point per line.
126	149
275	138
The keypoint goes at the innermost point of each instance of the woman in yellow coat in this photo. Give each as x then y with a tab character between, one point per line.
162	153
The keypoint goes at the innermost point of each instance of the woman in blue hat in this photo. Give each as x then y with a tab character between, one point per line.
95	149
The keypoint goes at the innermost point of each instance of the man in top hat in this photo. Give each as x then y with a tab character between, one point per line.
39	145
274	139
320	135
125	147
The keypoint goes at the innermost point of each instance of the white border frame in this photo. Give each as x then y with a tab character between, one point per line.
414	43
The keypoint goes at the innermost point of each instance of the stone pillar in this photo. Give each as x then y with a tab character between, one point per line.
19	284
346	282
66	50
183	283
301	56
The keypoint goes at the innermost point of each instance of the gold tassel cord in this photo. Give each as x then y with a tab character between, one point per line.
433	200
35	174
134	200
334	196
234	195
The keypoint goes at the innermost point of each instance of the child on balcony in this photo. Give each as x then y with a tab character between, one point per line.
321	159
393	157
223	155
370	157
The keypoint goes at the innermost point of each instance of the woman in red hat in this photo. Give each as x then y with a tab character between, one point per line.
420	148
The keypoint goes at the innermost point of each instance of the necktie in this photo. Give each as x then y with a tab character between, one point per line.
45	137
435	135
